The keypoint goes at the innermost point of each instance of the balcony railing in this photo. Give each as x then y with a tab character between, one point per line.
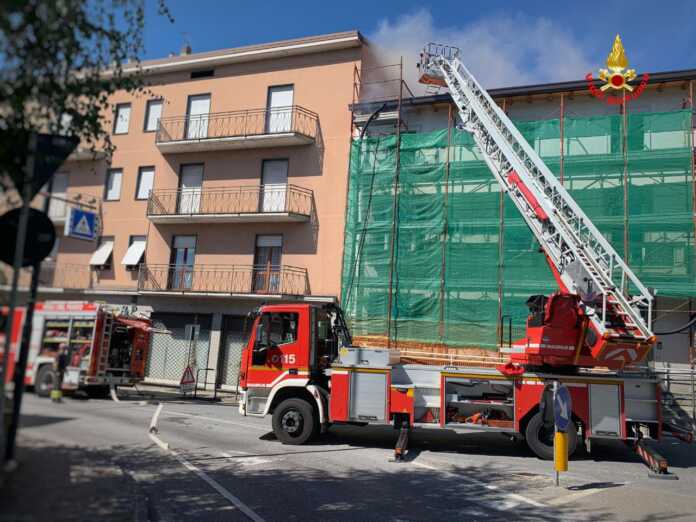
245	203
52	275
240	129
224	279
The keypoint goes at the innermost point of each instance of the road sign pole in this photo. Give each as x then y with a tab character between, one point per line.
17	265
21	365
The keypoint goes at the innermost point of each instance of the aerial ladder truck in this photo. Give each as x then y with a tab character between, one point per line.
301	367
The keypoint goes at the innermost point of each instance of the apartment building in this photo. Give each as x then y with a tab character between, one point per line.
227	189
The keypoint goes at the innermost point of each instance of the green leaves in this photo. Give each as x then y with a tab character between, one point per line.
60	60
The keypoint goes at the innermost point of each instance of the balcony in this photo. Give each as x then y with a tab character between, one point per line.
57	276
246	204
248	129
234	280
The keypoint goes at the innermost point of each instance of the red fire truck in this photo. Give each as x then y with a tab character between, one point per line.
300	367
106	346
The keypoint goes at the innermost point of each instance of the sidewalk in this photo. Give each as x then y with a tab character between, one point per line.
56	482
160	393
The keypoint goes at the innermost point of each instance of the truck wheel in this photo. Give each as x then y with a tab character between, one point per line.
294	421
540	439
43	384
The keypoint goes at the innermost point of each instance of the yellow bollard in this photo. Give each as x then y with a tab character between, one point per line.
560	451
56	395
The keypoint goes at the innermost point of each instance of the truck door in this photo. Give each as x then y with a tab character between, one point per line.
140	342
277	344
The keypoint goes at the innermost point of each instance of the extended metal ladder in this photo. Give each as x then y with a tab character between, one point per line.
105	342
585	262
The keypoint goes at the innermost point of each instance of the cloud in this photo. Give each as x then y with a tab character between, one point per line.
500	51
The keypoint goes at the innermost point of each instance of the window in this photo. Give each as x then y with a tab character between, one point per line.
112	191
136	252
122	118
153	113
146	176
278	328
182	261
267	264
205	73
279	109
101	259
197	115
57	207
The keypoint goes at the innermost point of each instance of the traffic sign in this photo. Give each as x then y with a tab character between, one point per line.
187	380
49	152
39	228
562	407
81	224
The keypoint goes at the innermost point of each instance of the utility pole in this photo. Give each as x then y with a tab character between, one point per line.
26	193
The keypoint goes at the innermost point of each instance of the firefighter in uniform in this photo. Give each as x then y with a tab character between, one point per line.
60	363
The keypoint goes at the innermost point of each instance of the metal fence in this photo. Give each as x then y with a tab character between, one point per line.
52	275
257	199
238	124
228	279
679	395
232	345
179	340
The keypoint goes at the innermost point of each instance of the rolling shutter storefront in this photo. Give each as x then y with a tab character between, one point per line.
180	339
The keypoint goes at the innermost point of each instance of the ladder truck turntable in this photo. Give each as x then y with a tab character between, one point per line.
301	367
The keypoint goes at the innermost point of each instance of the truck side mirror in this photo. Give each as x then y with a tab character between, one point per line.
258	342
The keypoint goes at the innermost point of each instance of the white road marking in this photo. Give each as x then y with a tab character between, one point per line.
514	498
571	497
155	418
154	438
225	421
250	513
245	461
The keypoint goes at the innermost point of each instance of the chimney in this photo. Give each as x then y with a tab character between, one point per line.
185	49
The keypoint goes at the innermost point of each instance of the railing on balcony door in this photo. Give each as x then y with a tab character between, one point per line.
228	279
239	124
258	199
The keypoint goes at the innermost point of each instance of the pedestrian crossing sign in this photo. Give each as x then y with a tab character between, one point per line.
81	224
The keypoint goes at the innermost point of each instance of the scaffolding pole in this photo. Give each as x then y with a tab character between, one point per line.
395	212
561	125
626	255
443	252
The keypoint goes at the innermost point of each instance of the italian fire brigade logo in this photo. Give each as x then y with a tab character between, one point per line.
616	78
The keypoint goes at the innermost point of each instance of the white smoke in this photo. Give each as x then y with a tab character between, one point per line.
500	51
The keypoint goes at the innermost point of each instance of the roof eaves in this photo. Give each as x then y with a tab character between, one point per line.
312	44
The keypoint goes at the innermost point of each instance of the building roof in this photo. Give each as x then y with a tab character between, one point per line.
528	90
248	53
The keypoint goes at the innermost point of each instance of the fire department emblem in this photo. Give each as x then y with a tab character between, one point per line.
616	75
616	78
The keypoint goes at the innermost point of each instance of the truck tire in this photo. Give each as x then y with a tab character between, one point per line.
540	439
43	384
294	422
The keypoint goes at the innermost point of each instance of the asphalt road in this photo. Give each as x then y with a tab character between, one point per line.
222	466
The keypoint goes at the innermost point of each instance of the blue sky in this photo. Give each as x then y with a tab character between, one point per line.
507	43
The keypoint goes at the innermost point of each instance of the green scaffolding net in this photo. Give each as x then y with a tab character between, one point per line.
436	241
